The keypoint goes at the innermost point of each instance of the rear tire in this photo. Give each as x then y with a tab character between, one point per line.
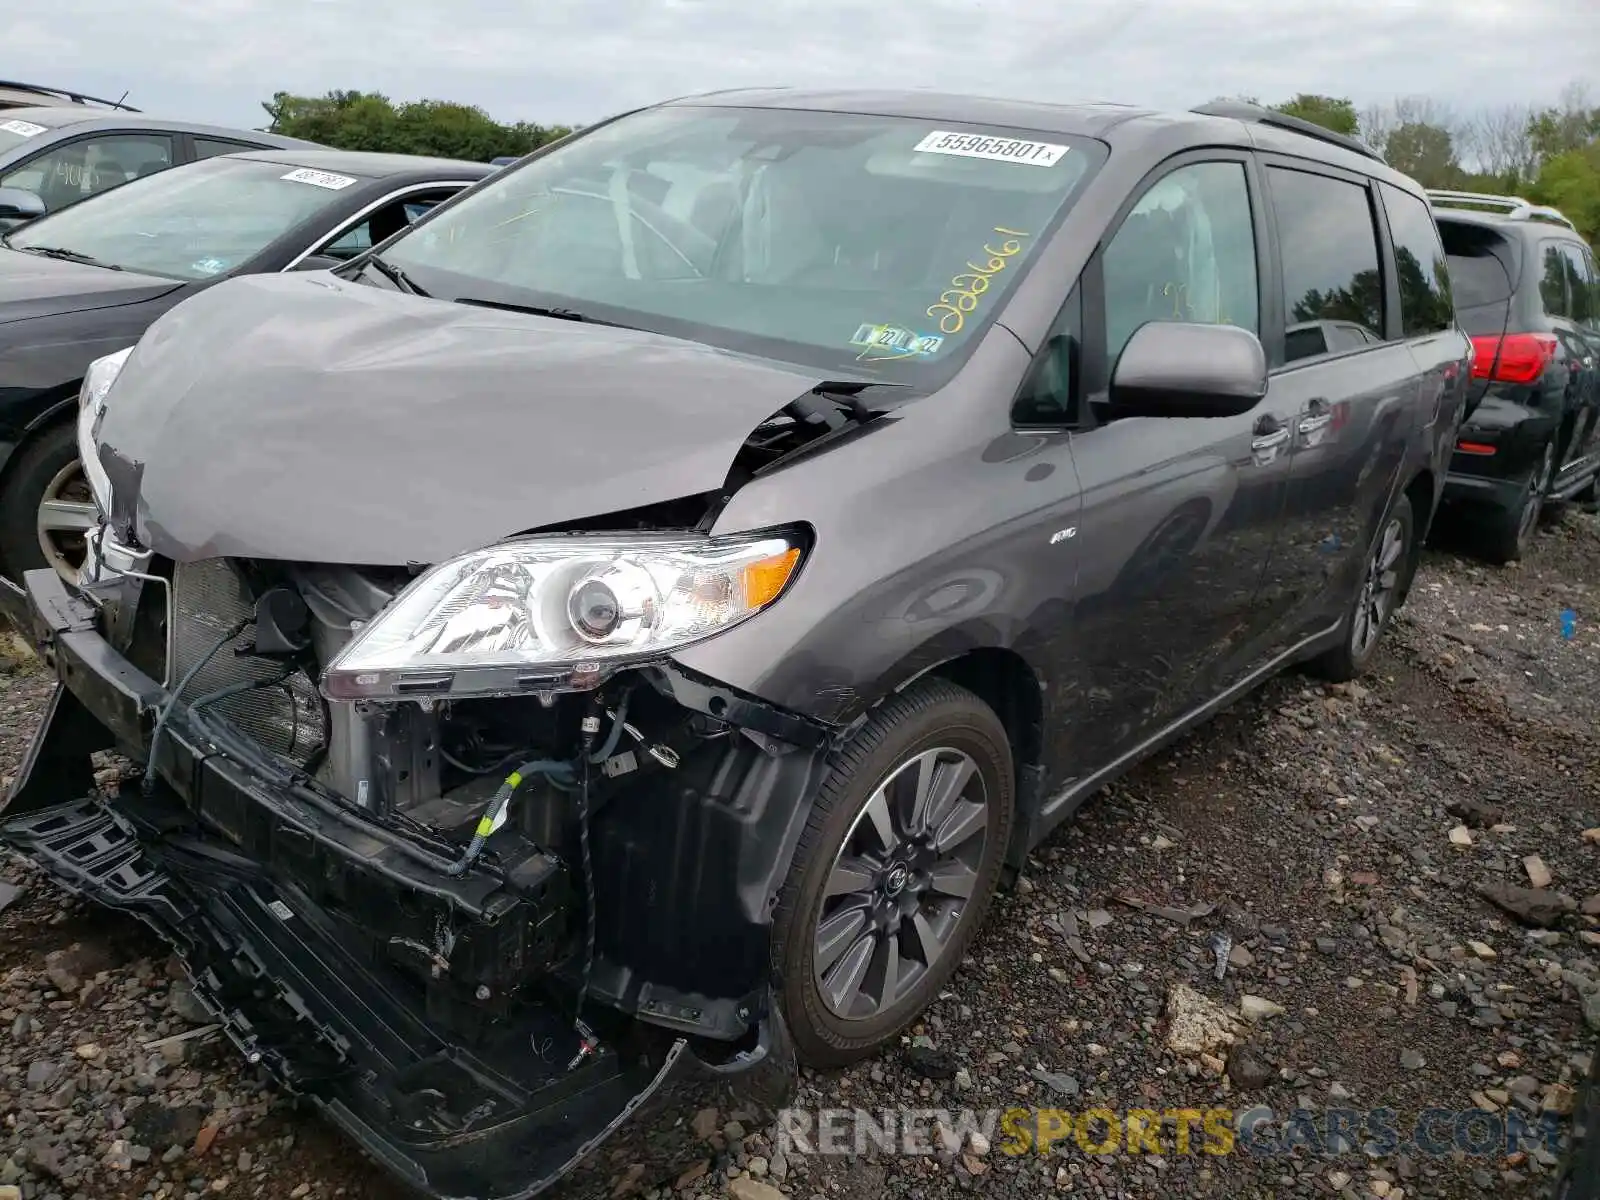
894	872
1505	534
1384	581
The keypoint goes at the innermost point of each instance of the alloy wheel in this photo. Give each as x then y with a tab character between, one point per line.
1379	588
901	883
66	515
1533	498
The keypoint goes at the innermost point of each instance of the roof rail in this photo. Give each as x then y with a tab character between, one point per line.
1513	208
1258	115
63	94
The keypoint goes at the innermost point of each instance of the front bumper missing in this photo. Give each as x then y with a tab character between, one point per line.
281	975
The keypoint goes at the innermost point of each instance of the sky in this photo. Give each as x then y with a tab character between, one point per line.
554	63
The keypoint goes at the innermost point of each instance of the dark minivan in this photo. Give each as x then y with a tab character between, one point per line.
1528	292
610	642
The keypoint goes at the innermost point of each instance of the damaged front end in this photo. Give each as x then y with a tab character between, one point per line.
504	918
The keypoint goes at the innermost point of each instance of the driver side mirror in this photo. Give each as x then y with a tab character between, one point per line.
18	205
1182	369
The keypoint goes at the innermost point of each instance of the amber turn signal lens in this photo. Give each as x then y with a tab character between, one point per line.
763	580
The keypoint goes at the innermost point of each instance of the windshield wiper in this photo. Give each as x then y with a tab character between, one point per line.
535	310
61	252
395	276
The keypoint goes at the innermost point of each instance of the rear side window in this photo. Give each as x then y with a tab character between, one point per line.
211	147
1330	261
1553	280
1580	289
1420	268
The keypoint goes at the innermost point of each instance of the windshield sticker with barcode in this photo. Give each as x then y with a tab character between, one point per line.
321	179
22	128
976	145
890	341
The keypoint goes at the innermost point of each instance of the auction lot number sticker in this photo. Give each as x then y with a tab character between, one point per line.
976	145
321	179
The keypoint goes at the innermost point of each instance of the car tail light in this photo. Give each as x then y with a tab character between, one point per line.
1514	358
1475	448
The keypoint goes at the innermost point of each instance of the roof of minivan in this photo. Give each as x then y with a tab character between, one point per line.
61	116
1096	119
368	165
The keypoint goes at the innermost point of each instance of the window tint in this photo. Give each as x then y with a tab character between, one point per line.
1594	290
89	166
1047	397
1553	280
1330	258
1419	261
1580	293
211	147
1186	252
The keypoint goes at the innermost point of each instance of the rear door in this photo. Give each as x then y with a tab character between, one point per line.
1351	396
1579	336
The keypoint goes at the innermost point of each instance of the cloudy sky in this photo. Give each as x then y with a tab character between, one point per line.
557	63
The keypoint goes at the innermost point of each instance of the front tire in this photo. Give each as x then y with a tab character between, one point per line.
894	871
1383	583
46	509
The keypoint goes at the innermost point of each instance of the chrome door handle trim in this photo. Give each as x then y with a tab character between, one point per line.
1268	441
1312	424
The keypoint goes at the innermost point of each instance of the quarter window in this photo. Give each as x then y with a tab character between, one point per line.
1553	280
1186	252
1580	288
1420	268
1330	263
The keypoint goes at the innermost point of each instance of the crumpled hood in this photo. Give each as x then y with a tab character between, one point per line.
305	418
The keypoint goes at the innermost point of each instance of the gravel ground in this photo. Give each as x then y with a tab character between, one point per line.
1340	837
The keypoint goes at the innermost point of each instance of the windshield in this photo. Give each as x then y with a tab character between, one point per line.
191	222
867	245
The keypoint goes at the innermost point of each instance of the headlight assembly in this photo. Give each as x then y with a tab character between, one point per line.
97	381
555	611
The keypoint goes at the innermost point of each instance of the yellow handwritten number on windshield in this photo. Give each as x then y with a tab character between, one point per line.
961	297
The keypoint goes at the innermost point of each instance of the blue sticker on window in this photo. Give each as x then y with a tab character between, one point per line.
890	341
210	266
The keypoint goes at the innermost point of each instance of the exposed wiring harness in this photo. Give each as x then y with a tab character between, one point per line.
561	774
148	783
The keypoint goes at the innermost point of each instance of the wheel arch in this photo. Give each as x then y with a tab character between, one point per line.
58	405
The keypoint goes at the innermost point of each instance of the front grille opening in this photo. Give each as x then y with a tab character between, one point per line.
287	718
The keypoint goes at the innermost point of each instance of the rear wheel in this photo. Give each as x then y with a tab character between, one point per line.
1505	535
1383	583
46	509
894	872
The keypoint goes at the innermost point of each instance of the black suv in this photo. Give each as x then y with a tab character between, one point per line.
1528	292
615	637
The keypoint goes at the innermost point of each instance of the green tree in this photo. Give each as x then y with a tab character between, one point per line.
1571	182
1331	112
370	121
1425	152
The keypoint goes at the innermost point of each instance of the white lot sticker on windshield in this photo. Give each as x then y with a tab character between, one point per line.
22	128
321	179
976	145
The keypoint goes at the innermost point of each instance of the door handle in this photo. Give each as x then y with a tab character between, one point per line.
1318	415
1269	433
1267	441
